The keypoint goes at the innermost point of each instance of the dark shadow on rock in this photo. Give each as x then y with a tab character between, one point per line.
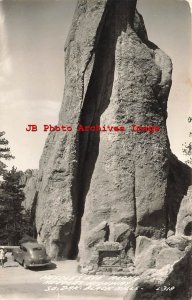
179	180
96	101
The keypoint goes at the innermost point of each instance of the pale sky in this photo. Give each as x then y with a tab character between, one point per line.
32	37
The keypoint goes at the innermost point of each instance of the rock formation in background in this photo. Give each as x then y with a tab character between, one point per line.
109	192
30	186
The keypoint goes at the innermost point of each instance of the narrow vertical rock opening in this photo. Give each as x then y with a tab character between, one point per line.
96	102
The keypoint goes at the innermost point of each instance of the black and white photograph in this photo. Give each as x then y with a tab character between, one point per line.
95	150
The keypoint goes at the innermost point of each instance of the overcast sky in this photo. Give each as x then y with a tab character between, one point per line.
32	36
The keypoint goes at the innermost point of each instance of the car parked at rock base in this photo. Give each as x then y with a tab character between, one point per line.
31	254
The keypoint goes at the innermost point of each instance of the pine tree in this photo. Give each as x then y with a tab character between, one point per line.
4	152
187	150
12	217
14	221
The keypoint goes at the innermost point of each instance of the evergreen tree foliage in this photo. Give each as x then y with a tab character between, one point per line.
14	220
4	152
187	150
12	212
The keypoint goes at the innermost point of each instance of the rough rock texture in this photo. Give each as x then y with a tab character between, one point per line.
128	163
170	276
157	254
102	190
184	218
116	199
30	183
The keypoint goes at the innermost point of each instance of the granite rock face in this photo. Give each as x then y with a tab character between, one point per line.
184	218
170	277
97	192
30	187
156	254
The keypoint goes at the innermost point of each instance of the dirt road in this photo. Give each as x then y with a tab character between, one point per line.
61	281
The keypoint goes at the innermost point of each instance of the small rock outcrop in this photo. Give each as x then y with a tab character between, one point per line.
164	271
184	218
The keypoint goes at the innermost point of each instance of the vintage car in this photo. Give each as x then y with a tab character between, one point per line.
31	254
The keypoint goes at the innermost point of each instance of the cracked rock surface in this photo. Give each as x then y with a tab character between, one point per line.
109	189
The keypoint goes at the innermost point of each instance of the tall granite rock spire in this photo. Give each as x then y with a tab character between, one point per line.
99	191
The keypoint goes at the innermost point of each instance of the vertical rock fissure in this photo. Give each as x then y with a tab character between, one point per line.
96	101
121	191
88	142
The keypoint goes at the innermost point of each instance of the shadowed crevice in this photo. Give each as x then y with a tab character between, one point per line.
96	102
